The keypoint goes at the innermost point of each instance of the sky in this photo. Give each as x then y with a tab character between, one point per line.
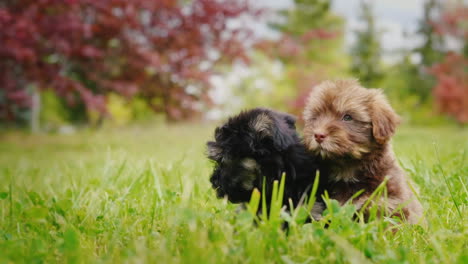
394	17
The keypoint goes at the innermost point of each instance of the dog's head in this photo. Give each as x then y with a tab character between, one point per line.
246	148
343	119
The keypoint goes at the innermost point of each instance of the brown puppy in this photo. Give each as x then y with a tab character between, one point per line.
350	127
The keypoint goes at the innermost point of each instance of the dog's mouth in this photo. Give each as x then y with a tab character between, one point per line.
330	150
236	180
322	151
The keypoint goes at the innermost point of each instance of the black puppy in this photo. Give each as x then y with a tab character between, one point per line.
260	143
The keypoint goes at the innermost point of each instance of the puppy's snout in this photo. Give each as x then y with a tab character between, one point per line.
319	137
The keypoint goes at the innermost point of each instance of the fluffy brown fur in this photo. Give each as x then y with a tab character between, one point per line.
350	127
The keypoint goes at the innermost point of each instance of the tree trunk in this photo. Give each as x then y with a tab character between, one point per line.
166	96
34	121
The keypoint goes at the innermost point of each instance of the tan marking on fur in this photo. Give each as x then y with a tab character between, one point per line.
248	183
214	152
262	124
249	164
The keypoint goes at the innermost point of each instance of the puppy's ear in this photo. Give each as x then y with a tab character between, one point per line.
290	120
384	118
284	131
213	151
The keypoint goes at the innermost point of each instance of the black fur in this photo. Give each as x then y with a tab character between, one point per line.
255	144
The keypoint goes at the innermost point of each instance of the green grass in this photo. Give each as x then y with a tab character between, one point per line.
142	194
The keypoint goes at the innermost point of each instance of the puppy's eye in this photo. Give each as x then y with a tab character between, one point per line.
347	117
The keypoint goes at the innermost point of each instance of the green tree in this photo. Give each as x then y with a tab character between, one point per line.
316	31
431	48
418	83
310	47
430	51
366	54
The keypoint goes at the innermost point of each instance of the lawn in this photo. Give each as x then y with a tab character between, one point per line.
141	194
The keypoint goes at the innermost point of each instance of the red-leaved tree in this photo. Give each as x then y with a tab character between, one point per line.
163	50
451	90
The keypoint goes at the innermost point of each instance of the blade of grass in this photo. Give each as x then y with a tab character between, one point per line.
10	199
313	193
254	202
439	165
281	190
353	254
273	202
264	208
376	192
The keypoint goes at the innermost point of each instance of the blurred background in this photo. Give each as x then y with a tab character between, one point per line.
106	107
68	64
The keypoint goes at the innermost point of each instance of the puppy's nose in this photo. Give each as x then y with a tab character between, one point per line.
319	137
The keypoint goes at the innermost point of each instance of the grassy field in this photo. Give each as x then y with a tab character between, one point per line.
142	194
